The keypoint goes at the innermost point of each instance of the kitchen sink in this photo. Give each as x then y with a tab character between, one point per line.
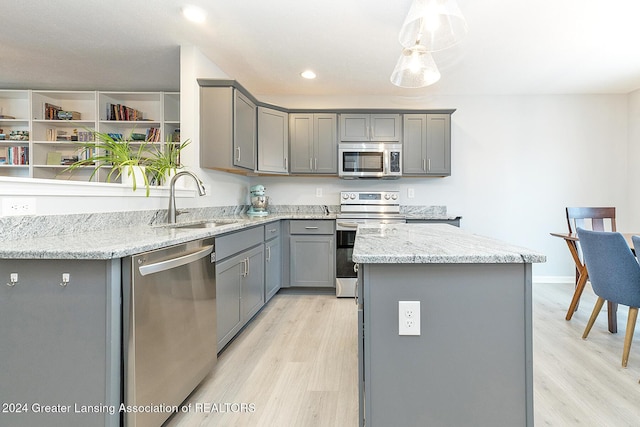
205	224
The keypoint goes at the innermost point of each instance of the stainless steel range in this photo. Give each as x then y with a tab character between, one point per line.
360	207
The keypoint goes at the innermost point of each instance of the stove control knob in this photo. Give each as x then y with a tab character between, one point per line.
353	196
345	196
394	196
387	196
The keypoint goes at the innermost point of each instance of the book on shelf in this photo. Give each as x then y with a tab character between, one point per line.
54	158
14	155
124	113
153	135
5	116
50	111
68	115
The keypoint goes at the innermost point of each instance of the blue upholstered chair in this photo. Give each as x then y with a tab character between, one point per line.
615	276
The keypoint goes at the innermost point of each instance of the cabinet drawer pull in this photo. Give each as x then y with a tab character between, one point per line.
311	228
273	230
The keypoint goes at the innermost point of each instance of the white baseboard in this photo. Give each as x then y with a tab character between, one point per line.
554	279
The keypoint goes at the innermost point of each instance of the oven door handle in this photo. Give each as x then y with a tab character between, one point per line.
347	224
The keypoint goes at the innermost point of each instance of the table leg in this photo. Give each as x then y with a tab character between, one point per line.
582	280
612	311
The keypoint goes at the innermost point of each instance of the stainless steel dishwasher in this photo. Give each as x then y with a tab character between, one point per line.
169	328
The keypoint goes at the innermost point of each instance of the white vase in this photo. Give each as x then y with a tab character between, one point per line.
128	174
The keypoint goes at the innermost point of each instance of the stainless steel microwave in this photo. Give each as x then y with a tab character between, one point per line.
369	160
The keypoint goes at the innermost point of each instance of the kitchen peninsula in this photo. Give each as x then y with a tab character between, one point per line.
470	359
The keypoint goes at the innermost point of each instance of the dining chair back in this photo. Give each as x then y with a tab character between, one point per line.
598	217
615	276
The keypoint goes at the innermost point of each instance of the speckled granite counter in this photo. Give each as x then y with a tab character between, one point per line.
119	234
433	243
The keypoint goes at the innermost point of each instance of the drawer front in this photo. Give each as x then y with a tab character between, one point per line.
238	241
312	227
271	230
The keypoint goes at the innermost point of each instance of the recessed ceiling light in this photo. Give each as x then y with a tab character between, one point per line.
308	74
194	14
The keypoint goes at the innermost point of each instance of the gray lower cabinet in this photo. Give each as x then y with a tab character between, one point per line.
313	253
471	368
228	129
273	140
427	144
272	260
313	143
272	267
239	281
60	343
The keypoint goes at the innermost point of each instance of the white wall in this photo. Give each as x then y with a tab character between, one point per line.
634	160
517	161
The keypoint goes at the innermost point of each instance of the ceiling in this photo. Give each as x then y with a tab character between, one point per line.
513	47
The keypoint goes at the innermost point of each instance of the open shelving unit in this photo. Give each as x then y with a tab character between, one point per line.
51	141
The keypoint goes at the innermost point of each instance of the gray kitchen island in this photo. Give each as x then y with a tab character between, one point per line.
463	305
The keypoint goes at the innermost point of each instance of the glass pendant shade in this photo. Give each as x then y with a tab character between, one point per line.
415	68
435	24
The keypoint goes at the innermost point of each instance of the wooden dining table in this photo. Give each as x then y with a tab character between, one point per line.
583	275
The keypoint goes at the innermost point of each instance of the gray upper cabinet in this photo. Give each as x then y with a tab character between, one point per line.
313	142
370	127
228	129
427	144
273	141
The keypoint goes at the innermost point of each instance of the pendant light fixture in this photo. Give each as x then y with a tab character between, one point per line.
415	68
438	24
430	25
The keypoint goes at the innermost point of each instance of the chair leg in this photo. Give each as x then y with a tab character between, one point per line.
592	319
628	337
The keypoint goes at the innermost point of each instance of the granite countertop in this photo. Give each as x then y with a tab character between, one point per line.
130	240
113	235
435	244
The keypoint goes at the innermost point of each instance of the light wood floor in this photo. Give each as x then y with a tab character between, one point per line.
296	365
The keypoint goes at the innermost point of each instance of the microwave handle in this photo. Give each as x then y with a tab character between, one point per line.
387	167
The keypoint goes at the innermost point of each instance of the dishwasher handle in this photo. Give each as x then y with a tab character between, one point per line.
175	262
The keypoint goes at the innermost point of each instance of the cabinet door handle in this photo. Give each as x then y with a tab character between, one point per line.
238	156
429	165
247	273
286	164
268	253
424	165
316	162
311	163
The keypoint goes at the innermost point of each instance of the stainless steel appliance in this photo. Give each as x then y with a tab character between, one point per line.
359	207
369	160
169	328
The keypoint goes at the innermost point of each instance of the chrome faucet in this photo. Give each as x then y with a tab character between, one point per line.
171	213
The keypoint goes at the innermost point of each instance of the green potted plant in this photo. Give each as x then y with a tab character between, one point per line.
164	162
128	157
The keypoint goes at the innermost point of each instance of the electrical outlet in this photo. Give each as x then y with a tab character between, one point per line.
408	317
18	206
319	192
411	193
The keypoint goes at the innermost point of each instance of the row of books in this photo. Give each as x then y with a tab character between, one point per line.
14	155
122	112
55	112
54	134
